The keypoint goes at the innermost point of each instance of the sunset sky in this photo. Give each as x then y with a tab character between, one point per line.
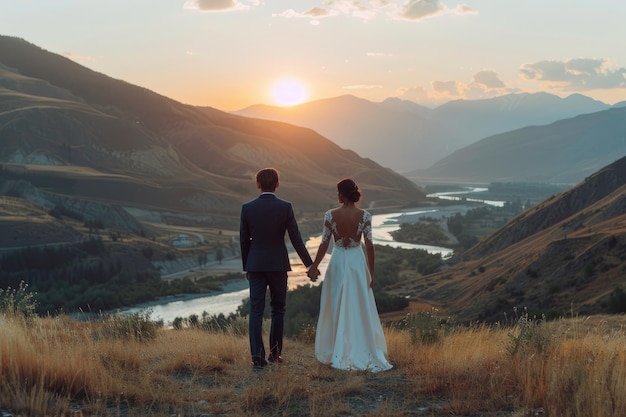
230	54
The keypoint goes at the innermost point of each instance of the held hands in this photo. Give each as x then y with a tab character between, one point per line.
313	273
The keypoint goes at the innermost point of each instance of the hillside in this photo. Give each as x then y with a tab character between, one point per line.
563	256
565	151
75	134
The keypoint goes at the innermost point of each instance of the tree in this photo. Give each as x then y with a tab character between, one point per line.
148	252
202	259
617	301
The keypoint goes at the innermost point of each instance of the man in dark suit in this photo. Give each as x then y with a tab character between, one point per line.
264	222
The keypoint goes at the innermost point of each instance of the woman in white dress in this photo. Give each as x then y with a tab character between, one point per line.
349	334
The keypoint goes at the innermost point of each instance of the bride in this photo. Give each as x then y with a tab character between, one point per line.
349	333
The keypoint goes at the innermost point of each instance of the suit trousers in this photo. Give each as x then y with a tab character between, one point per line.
259	283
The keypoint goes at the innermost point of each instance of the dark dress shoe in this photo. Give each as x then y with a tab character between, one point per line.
275	359
258	363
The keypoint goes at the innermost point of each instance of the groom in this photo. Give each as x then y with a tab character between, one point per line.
262	228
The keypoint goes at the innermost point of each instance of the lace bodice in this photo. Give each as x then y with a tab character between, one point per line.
363	228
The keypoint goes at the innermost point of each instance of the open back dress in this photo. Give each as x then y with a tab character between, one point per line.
349	333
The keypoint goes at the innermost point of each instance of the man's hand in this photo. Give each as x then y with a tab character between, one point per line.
313	274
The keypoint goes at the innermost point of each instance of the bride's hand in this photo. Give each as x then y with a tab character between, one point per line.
313	273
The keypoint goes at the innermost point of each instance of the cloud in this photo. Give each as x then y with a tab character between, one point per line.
361	87
484	84
290	14
317	12
422	9
419	9
331	8
365	10
314	14
378	54
488	79
475	91
575	74
464	9
440	92
218	5
369	9
446	88
418	94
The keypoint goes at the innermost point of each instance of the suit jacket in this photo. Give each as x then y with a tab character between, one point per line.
262	228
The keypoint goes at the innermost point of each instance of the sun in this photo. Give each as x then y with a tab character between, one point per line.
288	92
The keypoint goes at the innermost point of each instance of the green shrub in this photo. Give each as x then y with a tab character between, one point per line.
528	336
426	327
135	326
18	302
616	302
233	324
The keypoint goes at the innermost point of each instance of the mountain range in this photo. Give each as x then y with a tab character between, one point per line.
72	133
411	138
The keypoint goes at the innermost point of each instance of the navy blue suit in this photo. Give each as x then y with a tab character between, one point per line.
265	258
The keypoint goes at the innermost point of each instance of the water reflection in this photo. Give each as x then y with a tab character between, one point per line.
224	303
460	196
384	224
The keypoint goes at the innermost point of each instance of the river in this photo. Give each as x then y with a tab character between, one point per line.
230	298
227	301
461	196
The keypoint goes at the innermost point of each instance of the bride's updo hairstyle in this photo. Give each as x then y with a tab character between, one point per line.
349	190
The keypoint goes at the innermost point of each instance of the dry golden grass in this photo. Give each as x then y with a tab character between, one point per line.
60	367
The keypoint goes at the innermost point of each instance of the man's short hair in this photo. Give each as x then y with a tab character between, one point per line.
267	179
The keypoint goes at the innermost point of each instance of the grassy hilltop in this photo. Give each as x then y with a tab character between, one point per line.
132	366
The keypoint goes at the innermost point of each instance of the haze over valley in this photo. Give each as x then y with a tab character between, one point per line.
438	145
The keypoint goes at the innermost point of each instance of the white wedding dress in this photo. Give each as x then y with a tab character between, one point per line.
349	334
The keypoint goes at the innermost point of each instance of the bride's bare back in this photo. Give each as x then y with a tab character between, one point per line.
344	226
347	224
